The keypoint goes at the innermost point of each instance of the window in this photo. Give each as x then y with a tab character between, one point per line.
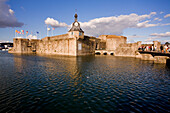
71	33
79	46
80	33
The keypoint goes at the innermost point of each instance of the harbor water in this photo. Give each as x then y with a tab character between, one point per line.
87	84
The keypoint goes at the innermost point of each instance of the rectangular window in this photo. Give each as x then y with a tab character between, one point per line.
79	46
80	33
71	33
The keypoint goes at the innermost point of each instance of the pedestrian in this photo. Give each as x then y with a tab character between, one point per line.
155	48
161	48
166	48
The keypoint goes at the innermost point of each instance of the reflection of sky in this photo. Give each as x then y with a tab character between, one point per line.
88	83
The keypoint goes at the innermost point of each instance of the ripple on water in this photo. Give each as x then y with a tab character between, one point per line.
82	84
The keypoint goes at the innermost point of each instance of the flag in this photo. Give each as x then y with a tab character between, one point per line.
22	31
16	31
48	29
27	32
53	28
19	32
37	32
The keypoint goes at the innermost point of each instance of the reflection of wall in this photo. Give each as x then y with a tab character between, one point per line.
18	62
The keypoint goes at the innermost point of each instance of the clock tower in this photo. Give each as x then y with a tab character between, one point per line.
76	31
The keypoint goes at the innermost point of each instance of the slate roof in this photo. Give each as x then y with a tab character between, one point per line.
76	28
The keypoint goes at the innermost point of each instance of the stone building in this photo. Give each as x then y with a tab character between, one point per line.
117	45
74	43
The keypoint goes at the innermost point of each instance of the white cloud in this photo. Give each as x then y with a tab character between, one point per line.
165	24
166	16
167	34
161	12
54	23
3	41
158	19
135	36
111	25
130	41
116	24
162	37
153	13
22	8
164	41
146	24
7	17
31	36
11	11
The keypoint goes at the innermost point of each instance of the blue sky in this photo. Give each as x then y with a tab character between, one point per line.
138	20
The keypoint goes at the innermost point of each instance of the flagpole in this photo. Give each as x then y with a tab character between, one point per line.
15	33
47	29
36	35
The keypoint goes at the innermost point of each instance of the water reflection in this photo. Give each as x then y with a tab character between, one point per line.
34	83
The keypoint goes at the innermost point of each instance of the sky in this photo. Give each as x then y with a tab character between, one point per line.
138	20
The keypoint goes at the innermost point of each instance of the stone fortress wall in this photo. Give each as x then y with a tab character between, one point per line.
59	45
118	44
75	43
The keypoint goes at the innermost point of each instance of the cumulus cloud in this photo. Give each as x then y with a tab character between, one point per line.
161	12
116	24
135	36
167	34
7	17
11	11
112	25
158	19
55	23
165	24
162	37
31	36
164	41
130	41
166	16
146	24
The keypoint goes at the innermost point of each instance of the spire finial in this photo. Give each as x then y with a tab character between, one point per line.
76	15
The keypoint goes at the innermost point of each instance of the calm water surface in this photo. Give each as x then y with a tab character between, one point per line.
50	84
